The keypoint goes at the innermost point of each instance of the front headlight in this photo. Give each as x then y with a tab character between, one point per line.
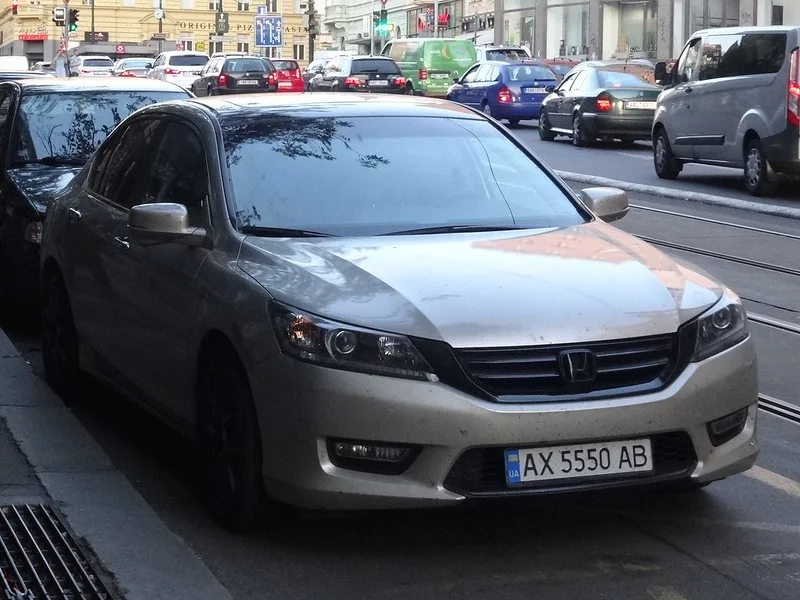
724	326
339	346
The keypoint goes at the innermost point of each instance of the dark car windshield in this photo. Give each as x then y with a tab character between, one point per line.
285	65
243	65
191	60
73	124
527	73
98	62
384	67
613	79
374	175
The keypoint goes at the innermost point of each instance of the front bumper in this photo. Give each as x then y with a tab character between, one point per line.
630	126
300	406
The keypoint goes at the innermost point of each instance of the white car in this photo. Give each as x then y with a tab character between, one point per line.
90	66
181	67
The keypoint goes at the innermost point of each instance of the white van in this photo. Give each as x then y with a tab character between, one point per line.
13	63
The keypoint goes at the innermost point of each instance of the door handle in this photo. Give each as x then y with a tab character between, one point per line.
121	242
74	215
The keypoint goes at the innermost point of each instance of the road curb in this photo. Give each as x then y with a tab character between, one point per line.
146	560
664	192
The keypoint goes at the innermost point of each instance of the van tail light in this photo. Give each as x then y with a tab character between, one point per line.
401	81
504	95
603	103
222	81
171	72
353	82
793	103
423	74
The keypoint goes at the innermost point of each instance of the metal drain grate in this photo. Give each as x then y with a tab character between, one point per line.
39	560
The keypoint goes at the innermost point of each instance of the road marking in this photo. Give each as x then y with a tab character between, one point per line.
775	481
664	593
761	560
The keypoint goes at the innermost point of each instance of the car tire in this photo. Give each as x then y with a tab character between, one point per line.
60	344
666	165
486	109
513	122
410	90
545	133
229	440
756	172
579	138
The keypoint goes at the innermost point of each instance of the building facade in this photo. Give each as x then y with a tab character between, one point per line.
125	28
580	29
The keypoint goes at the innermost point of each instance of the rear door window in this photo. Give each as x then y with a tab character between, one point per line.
405	51
383	67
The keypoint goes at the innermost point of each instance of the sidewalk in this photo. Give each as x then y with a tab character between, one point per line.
47	458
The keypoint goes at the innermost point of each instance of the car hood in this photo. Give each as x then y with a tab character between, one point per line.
39	183
591	282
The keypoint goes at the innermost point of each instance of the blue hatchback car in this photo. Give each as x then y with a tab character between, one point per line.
504	90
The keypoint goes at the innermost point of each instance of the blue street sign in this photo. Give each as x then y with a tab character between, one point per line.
262	10
269	31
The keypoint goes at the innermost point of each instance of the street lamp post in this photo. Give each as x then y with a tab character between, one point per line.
160	25
91	35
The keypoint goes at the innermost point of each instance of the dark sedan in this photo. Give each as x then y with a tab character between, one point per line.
376	74
603	102
236	75
53	126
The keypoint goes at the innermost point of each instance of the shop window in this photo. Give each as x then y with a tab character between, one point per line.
567	29
703	14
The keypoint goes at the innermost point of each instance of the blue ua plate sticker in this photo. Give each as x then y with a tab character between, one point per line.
512	467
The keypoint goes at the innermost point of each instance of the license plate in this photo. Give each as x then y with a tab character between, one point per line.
641	105
284	84
440	75
534	91
247	82
378	83
598	459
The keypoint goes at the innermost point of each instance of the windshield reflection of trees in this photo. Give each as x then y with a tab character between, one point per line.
293	137
73	125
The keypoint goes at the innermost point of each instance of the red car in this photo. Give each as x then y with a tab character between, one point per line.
290	77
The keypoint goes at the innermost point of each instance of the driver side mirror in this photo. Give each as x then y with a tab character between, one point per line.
550	89
660	75
609	204
456	79
148	65
164	222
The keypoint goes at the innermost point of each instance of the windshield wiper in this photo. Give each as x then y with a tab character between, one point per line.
281	232
52	161
455	229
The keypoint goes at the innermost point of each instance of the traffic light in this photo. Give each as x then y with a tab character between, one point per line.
14	6
383	22
73	19
58	16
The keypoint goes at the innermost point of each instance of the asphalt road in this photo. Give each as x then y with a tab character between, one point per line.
737	539
635	165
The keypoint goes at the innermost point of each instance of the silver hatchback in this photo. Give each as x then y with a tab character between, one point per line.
379	302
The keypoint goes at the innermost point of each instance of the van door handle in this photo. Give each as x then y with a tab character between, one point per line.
74	215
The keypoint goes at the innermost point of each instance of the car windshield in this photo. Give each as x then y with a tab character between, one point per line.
285	65
243	65
384	67
98	62
192	60
378	175
614	79
530	73
73	124
136	64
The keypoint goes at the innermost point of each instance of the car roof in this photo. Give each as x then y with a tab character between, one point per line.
57	84
745	29
331	105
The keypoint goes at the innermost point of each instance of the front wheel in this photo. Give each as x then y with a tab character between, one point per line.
229	441
755	171
667	167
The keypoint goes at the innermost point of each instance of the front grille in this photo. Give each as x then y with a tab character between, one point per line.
40	560
625	366
481	471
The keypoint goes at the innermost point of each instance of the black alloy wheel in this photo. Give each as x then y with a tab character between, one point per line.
578	136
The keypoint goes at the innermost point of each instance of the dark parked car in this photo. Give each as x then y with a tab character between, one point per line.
596	101
236	75
50	128
361	74
505	90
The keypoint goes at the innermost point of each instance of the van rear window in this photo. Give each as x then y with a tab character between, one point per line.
734	55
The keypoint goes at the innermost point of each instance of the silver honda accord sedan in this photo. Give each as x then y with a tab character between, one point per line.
362	302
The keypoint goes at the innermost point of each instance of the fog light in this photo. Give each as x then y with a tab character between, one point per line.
372	457
33	232
728	427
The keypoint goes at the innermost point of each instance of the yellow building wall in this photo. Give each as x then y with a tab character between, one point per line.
132	21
